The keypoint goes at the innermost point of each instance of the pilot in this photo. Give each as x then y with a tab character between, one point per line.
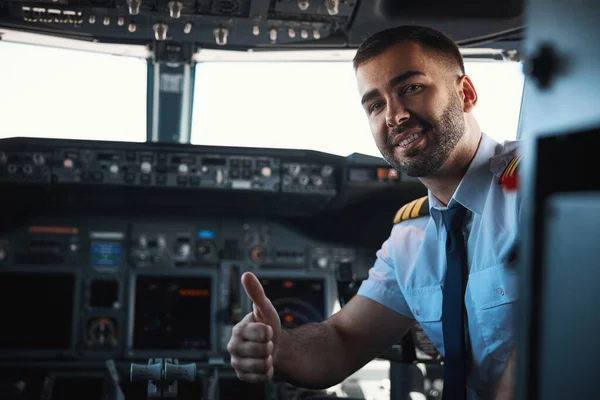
446	264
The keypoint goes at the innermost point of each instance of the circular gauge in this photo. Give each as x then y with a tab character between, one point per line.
102	332
295	312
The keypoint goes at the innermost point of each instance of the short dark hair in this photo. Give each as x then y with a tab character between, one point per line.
426	37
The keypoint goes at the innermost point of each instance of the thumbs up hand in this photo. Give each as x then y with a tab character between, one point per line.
254	339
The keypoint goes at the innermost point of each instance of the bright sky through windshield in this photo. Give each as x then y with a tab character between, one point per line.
59	93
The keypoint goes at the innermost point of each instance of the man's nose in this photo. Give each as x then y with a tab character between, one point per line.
396	114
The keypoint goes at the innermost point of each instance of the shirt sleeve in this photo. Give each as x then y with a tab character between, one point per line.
382	285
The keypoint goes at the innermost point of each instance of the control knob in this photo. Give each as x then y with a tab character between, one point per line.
295	169
184	250
203	249
175	8
134	6
303	180
38	159
183	168
146	167
102	332
322	262
326	171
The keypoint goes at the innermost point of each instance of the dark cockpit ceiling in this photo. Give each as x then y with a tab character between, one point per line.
263	24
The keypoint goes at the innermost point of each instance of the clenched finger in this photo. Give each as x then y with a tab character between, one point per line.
256	332
252	365
255	378
252	349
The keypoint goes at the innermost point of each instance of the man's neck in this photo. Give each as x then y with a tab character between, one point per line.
443	184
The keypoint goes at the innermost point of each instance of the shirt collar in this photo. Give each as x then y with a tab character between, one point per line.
469	192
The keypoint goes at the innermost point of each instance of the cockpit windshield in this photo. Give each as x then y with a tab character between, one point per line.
235	103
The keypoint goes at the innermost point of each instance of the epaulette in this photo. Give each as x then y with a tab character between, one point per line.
414	209
510	178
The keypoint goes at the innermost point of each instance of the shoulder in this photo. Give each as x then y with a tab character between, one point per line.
415	209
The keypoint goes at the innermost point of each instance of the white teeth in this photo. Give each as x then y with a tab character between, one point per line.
411	139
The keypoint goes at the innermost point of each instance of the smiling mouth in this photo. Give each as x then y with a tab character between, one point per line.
406	142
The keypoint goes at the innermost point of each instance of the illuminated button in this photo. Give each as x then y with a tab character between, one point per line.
68	163
265	171
322	262
183	168
114	169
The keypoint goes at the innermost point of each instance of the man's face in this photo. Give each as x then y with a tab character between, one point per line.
413	106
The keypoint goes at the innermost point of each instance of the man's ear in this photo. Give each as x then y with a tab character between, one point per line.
469	94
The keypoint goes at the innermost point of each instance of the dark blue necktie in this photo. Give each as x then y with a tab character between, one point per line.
453	314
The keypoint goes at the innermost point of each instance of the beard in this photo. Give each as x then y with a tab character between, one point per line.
442	136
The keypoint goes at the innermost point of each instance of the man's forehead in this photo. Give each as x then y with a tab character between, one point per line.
396	60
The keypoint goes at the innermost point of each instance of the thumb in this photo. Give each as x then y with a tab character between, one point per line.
256	293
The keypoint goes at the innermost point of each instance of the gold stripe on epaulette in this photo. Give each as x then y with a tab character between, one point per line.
417	209
510	169
409	210
398	216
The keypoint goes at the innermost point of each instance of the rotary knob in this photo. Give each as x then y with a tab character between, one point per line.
146	167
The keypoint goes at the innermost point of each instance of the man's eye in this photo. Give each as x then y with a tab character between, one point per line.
412	88
375	106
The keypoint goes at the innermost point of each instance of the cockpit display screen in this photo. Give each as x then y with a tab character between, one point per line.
172	313
37	311
298	301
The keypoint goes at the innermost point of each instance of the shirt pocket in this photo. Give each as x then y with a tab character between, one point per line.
494	292
426	306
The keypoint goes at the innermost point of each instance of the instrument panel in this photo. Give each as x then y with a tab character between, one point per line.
139	288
